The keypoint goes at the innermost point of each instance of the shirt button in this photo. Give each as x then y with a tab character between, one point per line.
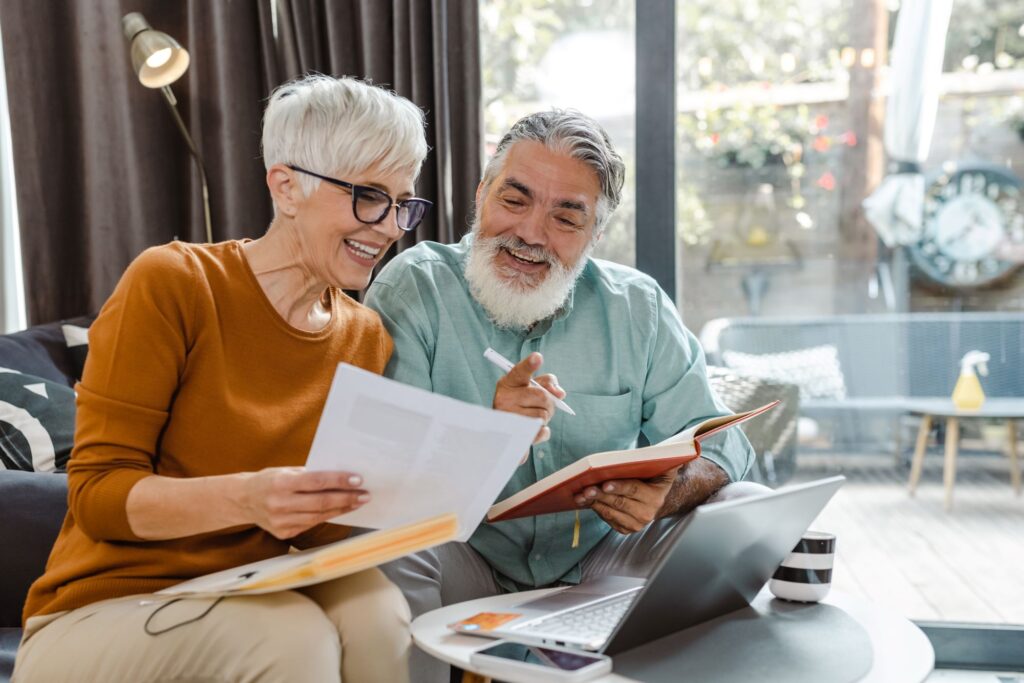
537	557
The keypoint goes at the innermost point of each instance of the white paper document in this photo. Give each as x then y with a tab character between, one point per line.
419	454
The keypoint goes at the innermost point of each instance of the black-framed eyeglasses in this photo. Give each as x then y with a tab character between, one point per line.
371	206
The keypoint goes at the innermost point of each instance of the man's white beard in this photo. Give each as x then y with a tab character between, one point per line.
513	299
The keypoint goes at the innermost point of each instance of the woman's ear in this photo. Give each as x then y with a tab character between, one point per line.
284	189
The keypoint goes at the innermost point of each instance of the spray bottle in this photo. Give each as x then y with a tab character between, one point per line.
967	394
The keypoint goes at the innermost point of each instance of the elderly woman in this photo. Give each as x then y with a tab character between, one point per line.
207	371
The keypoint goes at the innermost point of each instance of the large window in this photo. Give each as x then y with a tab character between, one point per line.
780	128
780	140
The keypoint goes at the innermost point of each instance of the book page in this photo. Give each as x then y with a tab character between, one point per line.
420	454
715	424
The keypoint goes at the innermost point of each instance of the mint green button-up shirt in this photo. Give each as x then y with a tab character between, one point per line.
618	347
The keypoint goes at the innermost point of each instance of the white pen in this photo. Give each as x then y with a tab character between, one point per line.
506	365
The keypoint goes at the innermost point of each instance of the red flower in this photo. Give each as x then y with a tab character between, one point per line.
715	137
821	122
850	138
821	144
827	181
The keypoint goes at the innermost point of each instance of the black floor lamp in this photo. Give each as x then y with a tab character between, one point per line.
158	60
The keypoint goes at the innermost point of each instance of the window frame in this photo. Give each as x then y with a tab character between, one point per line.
957	645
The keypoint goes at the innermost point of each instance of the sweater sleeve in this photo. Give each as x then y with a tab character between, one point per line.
137	351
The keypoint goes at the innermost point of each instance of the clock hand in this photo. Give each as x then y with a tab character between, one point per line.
955	237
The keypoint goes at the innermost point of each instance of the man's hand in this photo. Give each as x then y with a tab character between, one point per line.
628	505
514	393
631	504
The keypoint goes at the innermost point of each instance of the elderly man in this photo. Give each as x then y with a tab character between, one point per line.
523	283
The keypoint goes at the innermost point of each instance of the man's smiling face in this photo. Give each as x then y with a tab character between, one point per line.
547	203
533	231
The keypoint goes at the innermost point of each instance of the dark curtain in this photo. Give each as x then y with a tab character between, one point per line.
100	168
425	50
102	172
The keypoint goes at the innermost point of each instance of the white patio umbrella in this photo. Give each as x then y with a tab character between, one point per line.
896	207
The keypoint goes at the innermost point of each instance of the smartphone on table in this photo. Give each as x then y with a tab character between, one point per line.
520	663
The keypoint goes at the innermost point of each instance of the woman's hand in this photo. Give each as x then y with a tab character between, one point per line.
286	501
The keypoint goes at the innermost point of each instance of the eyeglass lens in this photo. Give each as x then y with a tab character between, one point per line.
372	206
410	214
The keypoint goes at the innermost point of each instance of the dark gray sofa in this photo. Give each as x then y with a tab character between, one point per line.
32	504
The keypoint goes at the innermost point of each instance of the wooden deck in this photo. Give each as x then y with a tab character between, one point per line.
966	565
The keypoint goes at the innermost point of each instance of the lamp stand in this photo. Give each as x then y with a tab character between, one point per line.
172	103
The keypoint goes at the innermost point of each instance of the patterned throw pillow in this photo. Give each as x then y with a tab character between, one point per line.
815	370
37	423
77	339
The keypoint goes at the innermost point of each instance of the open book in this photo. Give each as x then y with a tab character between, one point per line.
308	567
555	492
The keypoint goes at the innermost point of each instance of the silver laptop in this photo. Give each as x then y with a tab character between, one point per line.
722	556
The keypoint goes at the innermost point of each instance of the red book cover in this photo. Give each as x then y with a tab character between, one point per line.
555	492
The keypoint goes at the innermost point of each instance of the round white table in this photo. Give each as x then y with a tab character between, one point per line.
901	652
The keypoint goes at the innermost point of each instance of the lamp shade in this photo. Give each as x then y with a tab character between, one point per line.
157	59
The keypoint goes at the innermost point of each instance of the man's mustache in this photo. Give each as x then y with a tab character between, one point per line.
534	253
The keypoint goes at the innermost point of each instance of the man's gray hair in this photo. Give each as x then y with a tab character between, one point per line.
578	136
342	126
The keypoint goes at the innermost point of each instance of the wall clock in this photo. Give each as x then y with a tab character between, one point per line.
968	212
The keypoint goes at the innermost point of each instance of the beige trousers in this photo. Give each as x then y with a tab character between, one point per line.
354	629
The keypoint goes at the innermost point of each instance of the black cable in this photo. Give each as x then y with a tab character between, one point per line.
171	628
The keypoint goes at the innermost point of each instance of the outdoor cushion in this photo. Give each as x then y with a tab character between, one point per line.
814	370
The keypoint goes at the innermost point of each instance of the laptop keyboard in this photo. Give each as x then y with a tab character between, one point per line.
591	623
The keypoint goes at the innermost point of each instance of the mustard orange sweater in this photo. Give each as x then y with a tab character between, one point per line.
191	372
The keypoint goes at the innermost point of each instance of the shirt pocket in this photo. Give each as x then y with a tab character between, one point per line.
602	423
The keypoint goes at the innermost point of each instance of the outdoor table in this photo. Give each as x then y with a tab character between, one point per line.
1009	409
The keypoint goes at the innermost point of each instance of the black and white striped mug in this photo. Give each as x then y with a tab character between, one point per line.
806	575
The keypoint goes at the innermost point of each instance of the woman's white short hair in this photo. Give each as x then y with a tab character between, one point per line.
342	127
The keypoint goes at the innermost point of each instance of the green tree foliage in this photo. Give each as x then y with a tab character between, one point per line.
725	43
515	36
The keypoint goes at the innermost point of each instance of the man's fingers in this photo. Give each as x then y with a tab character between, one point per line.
539	413
550	383
629	488
586	497
631	507
618	520
643	493
535	397
543	435
522	372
